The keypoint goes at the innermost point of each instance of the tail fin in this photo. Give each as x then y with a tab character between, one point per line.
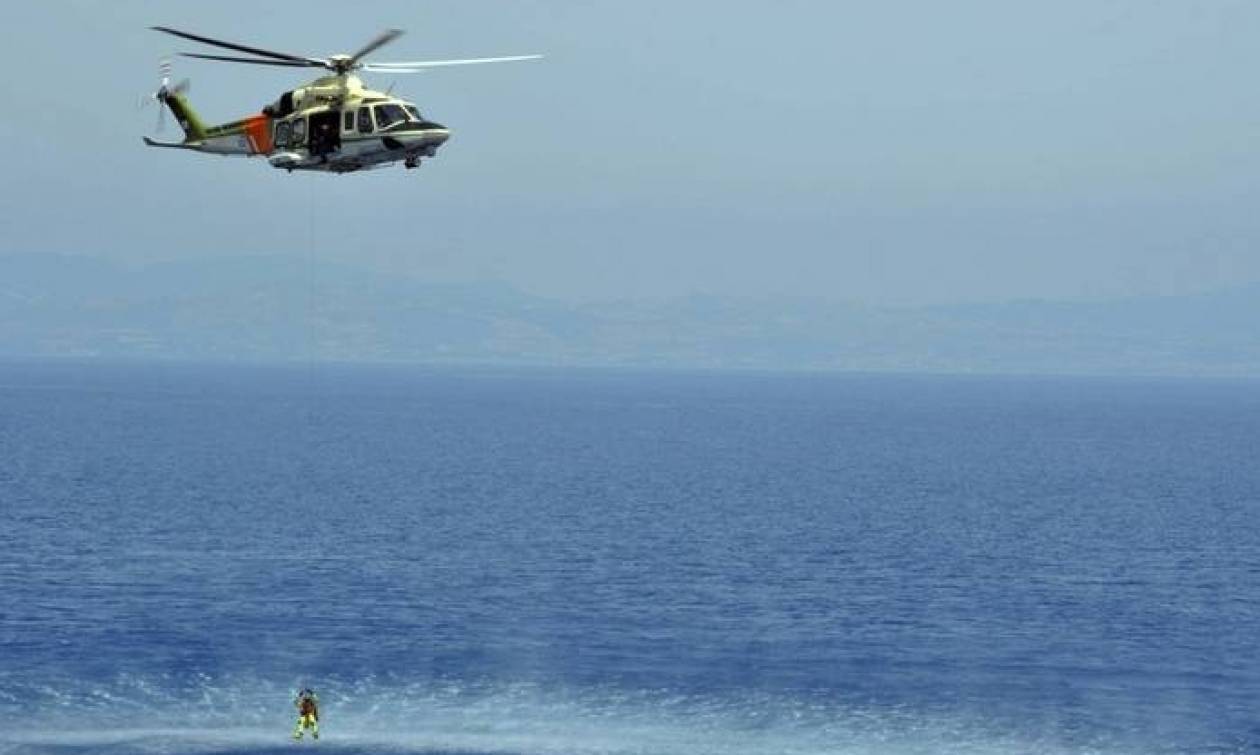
194	129
175	145
172	97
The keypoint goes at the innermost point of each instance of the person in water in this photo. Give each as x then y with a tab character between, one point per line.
308	714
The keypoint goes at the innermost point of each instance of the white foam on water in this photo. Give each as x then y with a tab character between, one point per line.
221	717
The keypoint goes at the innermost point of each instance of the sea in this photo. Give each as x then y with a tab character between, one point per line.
495	561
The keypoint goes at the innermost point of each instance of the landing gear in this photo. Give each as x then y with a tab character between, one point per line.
411	162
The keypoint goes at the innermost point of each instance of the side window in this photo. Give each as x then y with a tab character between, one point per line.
389	114
299	133
282	134
347	121
365	121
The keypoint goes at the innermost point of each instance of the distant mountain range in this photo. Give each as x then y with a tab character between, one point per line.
276	308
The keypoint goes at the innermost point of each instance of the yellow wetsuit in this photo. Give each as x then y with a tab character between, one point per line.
308	717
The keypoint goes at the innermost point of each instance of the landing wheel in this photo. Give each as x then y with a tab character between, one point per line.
411	162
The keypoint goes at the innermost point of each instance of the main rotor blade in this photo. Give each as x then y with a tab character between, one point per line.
373	69
420	65
257	61
382	39
234	46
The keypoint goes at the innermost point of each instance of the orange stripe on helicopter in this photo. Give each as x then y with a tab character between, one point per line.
258	129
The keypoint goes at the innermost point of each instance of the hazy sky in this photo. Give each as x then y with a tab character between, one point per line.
891	152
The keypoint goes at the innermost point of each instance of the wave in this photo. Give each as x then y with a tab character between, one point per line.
238	717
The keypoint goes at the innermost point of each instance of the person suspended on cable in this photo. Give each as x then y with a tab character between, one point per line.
308	714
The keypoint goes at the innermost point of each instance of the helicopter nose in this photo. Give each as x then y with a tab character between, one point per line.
423	137
436	132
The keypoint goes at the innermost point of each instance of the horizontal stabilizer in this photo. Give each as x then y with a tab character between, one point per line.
173	145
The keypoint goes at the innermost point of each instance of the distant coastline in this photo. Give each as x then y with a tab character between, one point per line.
258	309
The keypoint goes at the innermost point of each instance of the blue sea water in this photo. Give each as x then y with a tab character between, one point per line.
534	562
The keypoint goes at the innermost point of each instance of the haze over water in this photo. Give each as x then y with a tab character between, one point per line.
883	152
613	562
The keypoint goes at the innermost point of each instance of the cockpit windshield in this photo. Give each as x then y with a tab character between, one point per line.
414	111
389	114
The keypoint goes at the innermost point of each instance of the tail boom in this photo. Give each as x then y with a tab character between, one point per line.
247	136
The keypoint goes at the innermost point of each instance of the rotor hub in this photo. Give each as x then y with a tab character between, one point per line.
341	63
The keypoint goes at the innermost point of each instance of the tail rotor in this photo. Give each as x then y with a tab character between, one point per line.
164	91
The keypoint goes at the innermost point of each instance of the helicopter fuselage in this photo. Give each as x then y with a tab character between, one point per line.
332	124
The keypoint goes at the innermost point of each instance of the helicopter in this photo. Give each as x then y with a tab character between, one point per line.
333	123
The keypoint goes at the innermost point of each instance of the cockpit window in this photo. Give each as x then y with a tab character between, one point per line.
388	115
414	111
365	120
